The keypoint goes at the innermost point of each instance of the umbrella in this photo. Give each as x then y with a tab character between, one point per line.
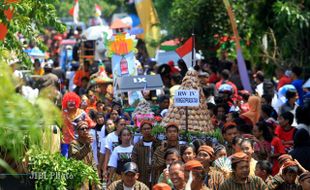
36	53
95	32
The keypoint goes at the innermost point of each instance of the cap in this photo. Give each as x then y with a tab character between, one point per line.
284	158
238	157
190	165
130	167
207	149
161	186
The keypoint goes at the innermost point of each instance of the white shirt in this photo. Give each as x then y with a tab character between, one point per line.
70	77
120	152
260	89
102	139
127	188
94	145
111	141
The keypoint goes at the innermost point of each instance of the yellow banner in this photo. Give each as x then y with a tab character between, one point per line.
150	24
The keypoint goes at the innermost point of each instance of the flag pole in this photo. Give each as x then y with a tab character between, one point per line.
193	47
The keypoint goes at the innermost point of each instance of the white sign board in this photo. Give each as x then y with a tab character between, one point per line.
186	98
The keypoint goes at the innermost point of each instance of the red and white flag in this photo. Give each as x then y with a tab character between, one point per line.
185	52
97	10
74	11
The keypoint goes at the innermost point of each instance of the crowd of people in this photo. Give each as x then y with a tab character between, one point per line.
266	132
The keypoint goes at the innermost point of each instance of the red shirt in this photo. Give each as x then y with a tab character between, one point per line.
283	81
285	135
276	148
213	78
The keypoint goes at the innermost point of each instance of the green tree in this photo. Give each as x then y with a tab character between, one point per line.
30	19
284	23
21	123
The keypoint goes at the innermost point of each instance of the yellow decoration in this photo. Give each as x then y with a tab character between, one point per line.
121	45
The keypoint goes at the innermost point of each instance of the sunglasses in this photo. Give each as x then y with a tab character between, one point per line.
83	129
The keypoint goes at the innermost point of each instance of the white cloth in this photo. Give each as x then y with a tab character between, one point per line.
94	145
260	89
70	77
127	188
111	141
137	137
119	152
148	144
102	140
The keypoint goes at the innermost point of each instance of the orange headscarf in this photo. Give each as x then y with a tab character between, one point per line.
255	106
161	186
190	165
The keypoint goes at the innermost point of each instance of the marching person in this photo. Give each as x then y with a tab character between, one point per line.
143	151
129	179
241	178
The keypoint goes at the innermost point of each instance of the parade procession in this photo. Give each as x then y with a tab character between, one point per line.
154	95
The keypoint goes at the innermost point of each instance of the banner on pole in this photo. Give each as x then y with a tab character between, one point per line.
186	98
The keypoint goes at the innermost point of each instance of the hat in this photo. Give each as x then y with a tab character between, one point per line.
143	122
161	186
238	157
304	176
289	164
130	167
226	88
207	149
172	124
81	123
190	165
283	158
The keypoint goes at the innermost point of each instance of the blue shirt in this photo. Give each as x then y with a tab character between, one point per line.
298	85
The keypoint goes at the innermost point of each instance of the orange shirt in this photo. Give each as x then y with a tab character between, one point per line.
69	130
77	80
39	72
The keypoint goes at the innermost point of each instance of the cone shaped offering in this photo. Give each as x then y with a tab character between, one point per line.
198	117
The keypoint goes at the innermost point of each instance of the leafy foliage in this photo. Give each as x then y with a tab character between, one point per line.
21	123
59	172
285	23
30	19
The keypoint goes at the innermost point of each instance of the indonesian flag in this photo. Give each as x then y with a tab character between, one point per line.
98	10
185	52
74	11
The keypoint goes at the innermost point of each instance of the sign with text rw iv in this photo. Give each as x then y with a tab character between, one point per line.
186	98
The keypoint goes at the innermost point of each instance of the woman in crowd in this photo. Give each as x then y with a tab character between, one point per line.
120	155
188	153
263	141
170	156
253	115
